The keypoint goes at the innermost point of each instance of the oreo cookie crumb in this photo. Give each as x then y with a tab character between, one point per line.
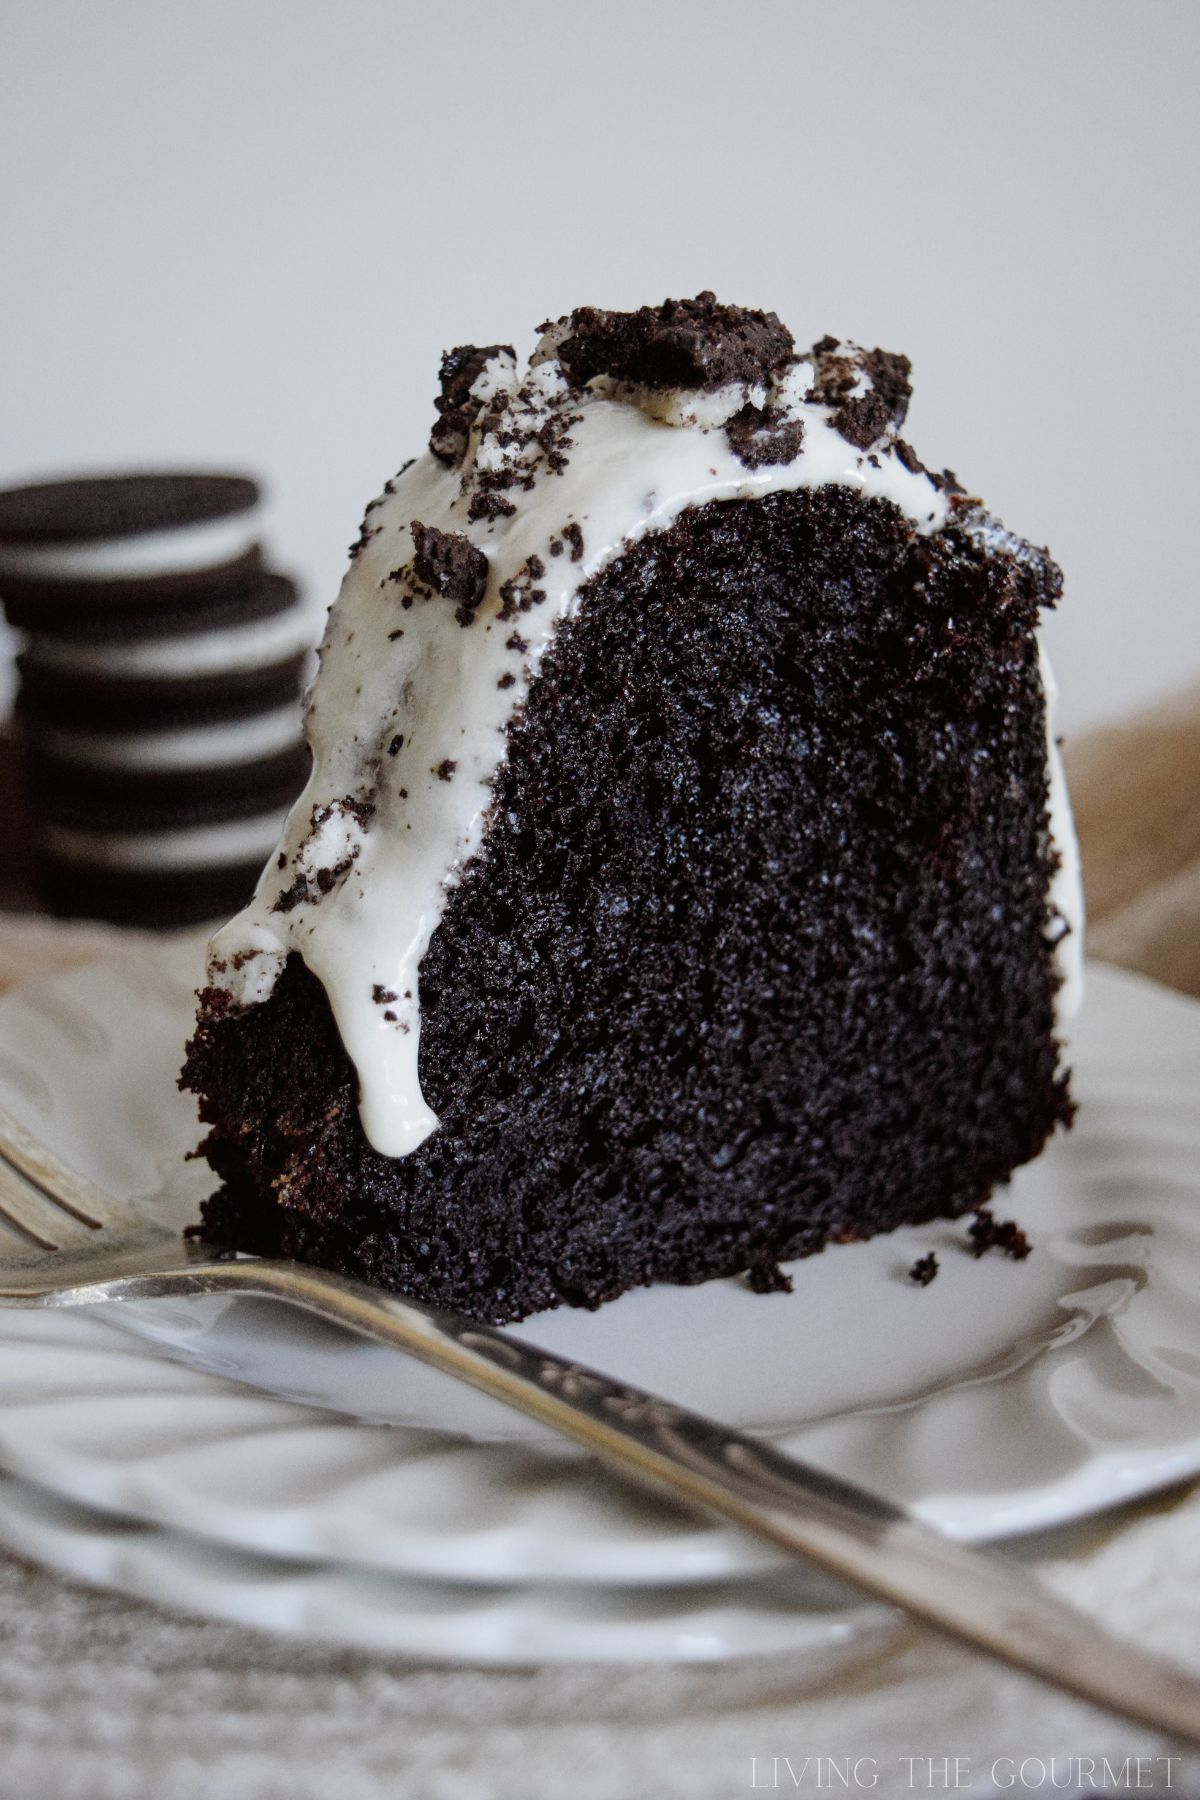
691	344
861	417
452	566
906	455
519	593
986	1232
924	1270
445	769
396	745
573	535
314	886
759	437
455	406
365	533
488	505
768	1278
383	996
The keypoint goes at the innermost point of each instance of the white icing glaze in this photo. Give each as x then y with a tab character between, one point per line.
224	744
225	650
178	551
628	471
224	844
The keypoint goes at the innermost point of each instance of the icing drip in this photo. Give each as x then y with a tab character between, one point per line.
464	568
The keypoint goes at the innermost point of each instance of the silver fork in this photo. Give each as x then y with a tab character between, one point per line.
65	1242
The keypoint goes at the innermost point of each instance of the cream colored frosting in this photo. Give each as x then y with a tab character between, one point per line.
409	715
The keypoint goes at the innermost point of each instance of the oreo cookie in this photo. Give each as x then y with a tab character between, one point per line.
106	798
228	663
177	876
159	699
70	550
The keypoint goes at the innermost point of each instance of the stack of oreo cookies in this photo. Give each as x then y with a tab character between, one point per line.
159	699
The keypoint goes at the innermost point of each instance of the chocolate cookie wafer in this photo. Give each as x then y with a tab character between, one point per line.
219	661
126	545
160	687
174	876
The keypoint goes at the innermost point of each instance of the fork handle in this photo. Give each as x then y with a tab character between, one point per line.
973	1596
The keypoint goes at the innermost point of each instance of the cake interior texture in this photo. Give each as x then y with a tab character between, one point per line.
755	953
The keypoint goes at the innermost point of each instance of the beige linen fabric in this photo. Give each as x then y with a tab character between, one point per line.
107	1699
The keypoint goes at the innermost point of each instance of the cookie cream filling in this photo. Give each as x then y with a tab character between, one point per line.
435	639
178	551
224	744
224	650
223	845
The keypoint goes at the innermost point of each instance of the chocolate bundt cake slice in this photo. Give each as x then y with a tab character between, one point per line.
685	880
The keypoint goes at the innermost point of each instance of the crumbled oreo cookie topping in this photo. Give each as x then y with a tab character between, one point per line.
366	532
455	405
681	344
759	436
986	1232
452	567
520	593
487	505
312	883
524	432
924	1270
768	1278
869	389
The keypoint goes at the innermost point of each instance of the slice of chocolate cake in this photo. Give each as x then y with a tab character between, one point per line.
685	879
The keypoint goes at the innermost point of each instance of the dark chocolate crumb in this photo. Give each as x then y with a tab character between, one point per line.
574	536
393	635
516	642
396	745
556	546
507	680
924	1270
681	344
986	1232
383	996
518	594
861	418
390	1016
757	436
445	769
490	506
908	456
325	879
456	409
365	534
768	1278
452	566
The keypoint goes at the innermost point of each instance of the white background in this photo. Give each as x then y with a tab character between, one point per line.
241	232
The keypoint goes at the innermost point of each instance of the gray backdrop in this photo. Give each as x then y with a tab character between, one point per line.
241	232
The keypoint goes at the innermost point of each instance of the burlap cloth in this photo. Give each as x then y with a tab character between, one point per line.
102	1697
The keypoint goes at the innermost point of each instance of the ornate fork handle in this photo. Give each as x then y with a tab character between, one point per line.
975	1597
